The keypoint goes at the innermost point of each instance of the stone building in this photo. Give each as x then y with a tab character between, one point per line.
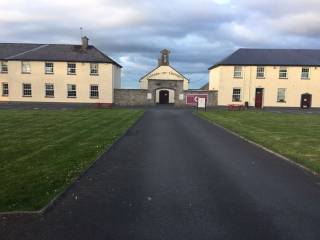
163	85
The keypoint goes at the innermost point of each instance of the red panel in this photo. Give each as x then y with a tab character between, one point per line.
192	99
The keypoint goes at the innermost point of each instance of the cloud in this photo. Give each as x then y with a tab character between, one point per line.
198	33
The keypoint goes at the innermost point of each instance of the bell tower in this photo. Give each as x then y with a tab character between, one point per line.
164	59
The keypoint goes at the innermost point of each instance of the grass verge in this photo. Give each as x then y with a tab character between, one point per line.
44	151
296	136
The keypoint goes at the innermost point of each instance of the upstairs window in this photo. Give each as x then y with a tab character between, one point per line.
4	67
5	89
237	72
49	92
94	69
72	90
94	91
236	95
305	73
72	69
48	68
281	97
283	73
260	72
25	67
26	90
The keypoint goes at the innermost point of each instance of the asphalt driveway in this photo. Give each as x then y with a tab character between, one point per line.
175	176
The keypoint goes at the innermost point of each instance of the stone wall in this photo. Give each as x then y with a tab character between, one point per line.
176	85
141	97
132	97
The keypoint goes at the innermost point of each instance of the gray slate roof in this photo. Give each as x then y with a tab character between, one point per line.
272	57
52	52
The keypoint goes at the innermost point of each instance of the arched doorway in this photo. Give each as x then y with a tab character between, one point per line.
306	100
164	97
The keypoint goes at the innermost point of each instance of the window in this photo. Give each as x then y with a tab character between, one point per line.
49	90
4	67
260	72
281	95
26	90
72	68
94	91
48	68
305	73
25	67
94	69
283	73
5	89
72	91
236	95
237	72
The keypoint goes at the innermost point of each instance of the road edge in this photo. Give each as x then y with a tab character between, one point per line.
307	170
59	196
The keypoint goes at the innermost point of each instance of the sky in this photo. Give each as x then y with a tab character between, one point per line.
133	32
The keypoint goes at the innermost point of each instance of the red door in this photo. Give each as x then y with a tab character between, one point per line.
259	98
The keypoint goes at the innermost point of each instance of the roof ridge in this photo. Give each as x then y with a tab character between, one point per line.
28	51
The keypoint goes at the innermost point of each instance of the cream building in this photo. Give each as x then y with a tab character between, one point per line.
166	80
57	73
268	78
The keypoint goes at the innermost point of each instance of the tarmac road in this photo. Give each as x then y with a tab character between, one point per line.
175	176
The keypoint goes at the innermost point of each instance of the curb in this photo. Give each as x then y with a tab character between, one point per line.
309	171
53	202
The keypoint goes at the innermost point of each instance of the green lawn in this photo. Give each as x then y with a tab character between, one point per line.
43	151
296	136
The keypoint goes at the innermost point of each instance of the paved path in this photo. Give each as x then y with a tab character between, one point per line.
175	176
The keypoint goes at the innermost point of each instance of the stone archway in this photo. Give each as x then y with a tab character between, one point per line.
164	97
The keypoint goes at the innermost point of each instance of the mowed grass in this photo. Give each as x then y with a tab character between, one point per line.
296	136
43	151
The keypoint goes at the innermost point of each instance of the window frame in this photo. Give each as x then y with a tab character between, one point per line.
281	69
5	89
94	96
96	73
236	94
46	68
264	72
23	70
69	72
284	100
24	90
4	63
48	90
72	90
235	71
308	77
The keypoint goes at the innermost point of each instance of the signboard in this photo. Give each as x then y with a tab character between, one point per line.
202	103
192	99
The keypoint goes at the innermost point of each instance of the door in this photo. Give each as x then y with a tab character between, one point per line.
164	97
259	98
306	100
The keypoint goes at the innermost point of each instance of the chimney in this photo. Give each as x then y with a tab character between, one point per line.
85	43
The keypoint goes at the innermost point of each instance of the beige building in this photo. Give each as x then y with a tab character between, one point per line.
57	73
166	80
268	78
